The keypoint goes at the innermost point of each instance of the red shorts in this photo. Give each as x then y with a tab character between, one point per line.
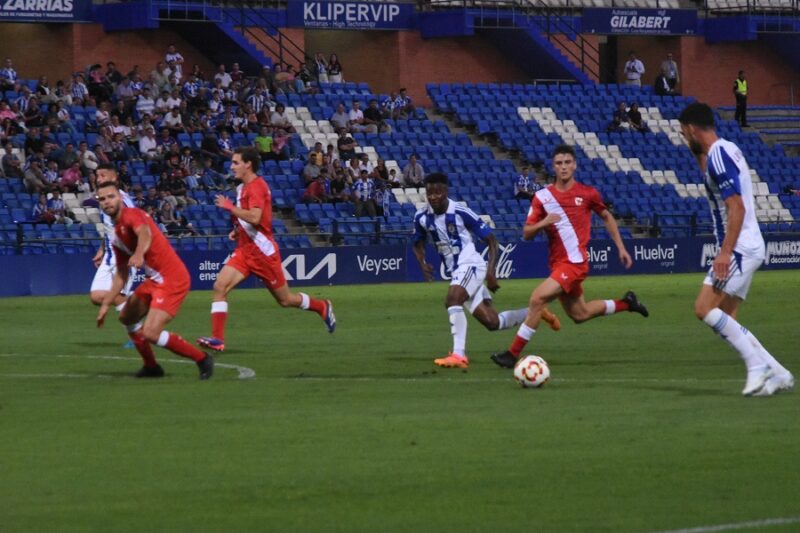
570	276
250	260
166	297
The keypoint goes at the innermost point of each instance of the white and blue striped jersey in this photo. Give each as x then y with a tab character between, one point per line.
452	234
109	257
728	174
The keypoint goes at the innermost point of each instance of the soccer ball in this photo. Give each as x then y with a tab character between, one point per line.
531	371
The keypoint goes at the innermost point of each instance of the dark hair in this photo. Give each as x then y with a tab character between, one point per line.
436	178
107	166
564	149
104	184
697	114
249	155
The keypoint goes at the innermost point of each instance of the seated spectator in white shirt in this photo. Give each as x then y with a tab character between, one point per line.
280	121
413	173
174	121
223	77
103	114
148	146
356	118
145	104
162	105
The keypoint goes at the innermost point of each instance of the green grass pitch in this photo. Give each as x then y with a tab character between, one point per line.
642	427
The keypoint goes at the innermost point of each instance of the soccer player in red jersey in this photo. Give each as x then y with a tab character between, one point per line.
564	211
256	253
139	244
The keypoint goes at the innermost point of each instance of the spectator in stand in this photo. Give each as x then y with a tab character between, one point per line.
321	68
159	78
52	175
278	153
124	177
33	141
413	173
72	178
89	160
356	119
257	101
12	166
340	119
125	92
354	169
225	144
34	179
381	173
160	106
304	80
62	94
280	121
8	77
634	69
662	87
619	121
315	191
335	69
41	213
6	112
181	227
388	106
175	60
740	92
43	91
236	73
635	119
56	206
68	156
173	121
113	76
78	89
525	185
310	171
263	141
364	195
404	106
283	79
223	77
148	146
339	188
103	114
373	118
316	155
383	197
145	105
33	115
346	145
669	67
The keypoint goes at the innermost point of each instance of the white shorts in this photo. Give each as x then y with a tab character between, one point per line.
471	278
105	275
741	276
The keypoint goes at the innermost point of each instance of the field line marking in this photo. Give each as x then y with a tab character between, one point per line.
767	522
243	371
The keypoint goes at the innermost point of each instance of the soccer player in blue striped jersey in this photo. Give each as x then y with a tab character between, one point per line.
451	226
741	249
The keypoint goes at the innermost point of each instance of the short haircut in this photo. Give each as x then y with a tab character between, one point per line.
104	184
249	155
564	149
436	178
107	166
697	114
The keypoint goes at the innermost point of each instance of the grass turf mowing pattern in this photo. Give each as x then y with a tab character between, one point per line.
642	428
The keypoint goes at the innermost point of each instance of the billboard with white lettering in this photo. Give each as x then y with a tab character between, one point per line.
46	10
337	15
624	21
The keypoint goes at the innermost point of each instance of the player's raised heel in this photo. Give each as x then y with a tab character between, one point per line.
329	318
150	372
206	367
776	383
504	359
551	319
452	361
212	343
756	379
634	305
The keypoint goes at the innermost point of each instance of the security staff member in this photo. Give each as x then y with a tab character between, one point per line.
740	91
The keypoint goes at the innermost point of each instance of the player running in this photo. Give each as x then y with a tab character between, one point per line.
564	211
451	227
104	260
140	244
741	249
257	252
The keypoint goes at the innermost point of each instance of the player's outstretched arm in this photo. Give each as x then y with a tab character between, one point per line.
529	231
491	266
613	230
419	253
735	208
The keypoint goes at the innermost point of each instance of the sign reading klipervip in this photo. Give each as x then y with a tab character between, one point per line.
337	15
46	10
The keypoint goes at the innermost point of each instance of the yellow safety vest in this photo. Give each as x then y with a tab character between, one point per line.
741	87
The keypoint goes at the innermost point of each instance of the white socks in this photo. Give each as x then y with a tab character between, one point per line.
611	307
514	317
739	337
219	307
458	327
525	332
305	301
163	339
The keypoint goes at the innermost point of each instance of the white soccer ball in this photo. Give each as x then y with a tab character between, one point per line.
531	371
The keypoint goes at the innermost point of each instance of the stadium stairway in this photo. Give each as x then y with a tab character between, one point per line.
777	125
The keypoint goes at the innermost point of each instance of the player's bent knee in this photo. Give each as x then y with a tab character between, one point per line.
578	315
97	297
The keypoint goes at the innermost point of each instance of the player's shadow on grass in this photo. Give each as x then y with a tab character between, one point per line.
683	390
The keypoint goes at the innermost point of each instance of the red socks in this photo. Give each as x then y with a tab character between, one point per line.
318	306
620	305
176	344
144	348
218	325
517	346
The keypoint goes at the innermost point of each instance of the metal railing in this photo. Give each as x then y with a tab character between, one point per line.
279	45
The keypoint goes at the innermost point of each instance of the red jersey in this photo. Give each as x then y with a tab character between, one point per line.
161	264
569	236
250	195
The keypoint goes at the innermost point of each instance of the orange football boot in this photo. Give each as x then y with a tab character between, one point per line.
551	319
452	361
